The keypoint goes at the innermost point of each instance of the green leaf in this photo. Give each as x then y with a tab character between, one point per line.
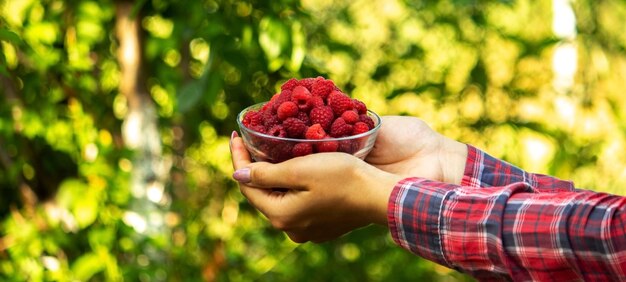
298	50
273	37
86	211
80	199
10	36
87	266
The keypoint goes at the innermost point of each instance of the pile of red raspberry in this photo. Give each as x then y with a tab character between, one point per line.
310	108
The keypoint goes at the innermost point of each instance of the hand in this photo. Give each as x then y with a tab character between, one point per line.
329	194
407	146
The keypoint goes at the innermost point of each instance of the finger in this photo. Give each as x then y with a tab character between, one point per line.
271	203
258	198
239	154
241	158
288	174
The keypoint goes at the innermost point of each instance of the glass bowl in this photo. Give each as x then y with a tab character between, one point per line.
273	149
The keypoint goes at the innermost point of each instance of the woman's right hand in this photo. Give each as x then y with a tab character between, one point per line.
407	146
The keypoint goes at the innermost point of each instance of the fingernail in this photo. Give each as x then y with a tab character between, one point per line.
233	136
242	175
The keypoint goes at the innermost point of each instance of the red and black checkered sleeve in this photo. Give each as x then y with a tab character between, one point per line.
512	231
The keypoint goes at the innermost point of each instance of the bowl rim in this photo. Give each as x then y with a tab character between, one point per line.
259	105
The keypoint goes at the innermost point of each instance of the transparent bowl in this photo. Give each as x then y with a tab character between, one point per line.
269	148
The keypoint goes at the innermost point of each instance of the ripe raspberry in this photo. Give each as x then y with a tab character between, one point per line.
252	118
274	97
302	149
304	118
269	120
339	102
351	117
289	84
280	151
294	127
322	115
284	96
360	127
348	146
264	148
307	82
340	128
316	101
277	131
315	132
359	106
287	109
327	146
258	128
322	88
301	96
367	120
270	105
299	104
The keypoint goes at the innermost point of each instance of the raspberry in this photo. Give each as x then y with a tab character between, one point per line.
287	109
277	131
258	128
367	120
351	117
304	118
294	127
315	132
289	84
360	127
281	151
327	146
312	109
316	101
322	115
339	102
252	118
284	96
270	105
269	120
340	128
348	146
322	88
359	106
302	149
301	96
307	82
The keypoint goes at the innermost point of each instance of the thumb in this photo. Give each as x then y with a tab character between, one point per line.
268	175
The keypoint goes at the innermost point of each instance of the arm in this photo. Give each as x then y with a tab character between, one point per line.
408	147
501	232
511	231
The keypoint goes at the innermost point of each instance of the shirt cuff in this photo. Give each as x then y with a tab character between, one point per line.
483	170
413	215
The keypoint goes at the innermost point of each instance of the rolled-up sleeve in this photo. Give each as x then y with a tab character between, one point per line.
534	227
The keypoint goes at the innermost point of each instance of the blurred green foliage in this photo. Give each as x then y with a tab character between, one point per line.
482	72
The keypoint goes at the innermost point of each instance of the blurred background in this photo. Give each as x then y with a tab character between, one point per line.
115	118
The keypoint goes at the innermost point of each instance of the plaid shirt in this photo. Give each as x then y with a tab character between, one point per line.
503	223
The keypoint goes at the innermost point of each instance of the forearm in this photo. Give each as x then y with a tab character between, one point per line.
511	231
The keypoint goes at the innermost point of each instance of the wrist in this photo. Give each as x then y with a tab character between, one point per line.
452	158
375	198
